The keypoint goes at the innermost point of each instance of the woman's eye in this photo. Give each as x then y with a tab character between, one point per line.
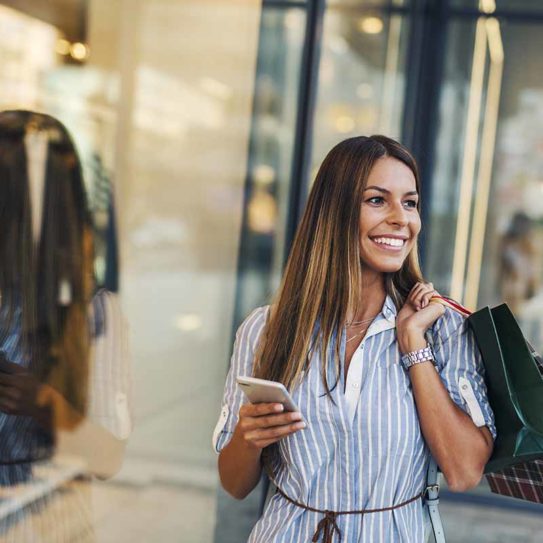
411	203
375	200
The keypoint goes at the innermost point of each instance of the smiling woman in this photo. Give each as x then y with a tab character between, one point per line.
347	335
389	224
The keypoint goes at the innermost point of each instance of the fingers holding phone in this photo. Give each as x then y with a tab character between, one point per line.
262	424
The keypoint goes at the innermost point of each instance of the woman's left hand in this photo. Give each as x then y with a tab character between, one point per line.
417	314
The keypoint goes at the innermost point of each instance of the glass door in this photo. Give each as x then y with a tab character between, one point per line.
486	216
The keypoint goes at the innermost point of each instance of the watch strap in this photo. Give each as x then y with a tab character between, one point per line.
416	357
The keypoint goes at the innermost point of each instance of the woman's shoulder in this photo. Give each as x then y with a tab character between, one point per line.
252	326
453	319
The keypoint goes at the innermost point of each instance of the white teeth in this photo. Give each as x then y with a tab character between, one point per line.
390	241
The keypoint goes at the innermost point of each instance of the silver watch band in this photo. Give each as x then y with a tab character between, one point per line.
416	357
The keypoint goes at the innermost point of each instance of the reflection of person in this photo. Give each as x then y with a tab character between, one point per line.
352	301
46	286
518	272
48	367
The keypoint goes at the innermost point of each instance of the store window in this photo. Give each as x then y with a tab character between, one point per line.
361	76
157	96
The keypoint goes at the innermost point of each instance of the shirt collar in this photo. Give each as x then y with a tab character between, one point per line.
389	310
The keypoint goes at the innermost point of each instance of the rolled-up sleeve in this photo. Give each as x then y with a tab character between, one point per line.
245	345
461	368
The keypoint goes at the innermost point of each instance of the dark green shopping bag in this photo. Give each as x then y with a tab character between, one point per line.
514	379
515	387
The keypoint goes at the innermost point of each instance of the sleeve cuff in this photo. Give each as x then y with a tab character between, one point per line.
221	436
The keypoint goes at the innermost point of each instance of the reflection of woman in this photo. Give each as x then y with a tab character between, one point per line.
52	398
352	302
518	272
46	286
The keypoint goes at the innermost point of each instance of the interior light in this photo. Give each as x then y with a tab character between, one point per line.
188	322
370	25
79	51
264	174
62	47
344	124
487	6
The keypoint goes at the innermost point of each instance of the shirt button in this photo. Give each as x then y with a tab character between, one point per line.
355	385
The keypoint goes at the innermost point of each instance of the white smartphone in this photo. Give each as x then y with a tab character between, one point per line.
263	391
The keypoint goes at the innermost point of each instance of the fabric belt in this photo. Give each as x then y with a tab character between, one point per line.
328	526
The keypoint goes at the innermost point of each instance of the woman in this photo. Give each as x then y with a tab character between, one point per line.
349	335
59	371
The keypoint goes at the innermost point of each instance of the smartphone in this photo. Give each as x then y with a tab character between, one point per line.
263	391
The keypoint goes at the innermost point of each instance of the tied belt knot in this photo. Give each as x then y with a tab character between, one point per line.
328	526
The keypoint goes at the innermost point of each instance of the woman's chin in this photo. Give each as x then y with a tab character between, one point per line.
384	267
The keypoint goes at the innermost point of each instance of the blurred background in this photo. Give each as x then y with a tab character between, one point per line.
209	119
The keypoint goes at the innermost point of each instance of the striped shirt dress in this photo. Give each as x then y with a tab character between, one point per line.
23	440
364	449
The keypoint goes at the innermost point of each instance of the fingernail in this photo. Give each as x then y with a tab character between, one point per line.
278	407
300	425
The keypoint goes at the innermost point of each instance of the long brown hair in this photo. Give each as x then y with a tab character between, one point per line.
322	281
55	334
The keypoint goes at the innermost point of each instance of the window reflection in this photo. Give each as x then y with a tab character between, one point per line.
277	80
510	233
64	371
361	76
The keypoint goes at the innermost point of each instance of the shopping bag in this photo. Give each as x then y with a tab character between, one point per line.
515	387
514	379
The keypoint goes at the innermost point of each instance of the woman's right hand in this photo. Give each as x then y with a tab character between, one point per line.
262	424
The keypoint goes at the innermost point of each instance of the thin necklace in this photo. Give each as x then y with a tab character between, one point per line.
357	334
356	323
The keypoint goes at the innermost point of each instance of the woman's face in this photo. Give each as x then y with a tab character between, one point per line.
389	219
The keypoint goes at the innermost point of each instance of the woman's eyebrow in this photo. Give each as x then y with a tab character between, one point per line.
381	189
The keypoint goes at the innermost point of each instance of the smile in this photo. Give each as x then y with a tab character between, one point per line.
389	244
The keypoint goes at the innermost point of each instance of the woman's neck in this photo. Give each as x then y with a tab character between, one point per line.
373	296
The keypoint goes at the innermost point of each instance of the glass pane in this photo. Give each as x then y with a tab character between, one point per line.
487	211
270	161
447	175
511	268
368	3
509	5
512	214
361	79
160	112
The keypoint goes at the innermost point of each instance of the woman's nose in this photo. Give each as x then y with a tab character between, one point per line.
398	215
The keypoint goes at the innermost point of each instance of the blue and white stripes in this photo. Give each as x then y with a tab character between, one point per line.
22	440
365	449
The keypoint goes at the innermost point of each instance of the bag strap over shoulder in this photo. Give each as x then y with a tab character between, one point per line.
453	304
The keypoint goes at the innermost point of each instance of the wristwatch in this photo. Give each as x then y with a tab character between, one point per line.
416	357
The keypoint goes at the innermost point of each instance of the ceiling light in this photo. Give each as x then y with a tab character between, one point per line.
188	322
62	47
344	124
79	51
370	25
